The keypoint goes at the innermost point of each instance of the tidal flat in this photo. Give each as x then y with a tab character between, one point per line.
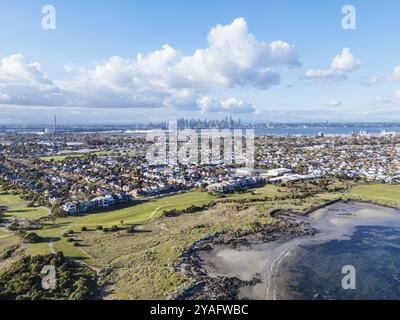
305	260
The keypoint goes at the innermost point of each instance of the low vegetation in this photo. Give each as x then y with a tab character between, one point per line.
23	280
138	248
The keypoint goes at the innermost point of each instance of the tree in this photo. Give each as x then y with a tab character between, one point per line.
32	238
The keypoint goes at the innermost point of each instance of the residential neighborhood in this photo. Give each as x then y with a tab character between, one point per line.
83	173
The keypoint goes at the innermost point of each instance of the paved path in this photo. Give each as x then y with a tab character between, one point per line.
51	243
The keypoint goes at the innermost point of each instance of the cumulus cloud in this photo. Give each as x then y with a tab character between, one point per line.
346	61
341	65
234	57
232	105
164	78
25	83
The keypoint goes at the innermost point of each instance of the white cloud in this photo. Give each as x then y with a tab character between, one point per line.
234	105
326	74
395	74
234	57
396	95
346	61
333	103
14	69
231	105
342	64
209	104
164	78
25	83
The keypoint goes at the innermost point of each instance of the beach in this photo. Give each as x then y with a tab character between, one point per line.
258	262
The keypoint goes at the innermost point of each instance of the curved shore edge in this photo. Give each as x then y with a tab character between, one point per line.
225	287
287	232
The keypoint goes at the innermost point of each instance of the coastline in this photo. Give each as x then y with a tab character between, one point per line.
213	279
222	287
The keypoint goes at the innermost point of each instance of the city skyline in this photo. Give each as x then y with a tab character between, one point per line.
263	62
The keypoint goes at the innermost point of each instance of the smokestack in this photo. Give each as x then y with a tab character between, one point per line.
55	124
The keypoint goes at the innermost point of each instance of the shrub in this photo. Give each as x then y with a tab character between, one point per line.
83	229
70	240
131	229
78	281
99	228
32	238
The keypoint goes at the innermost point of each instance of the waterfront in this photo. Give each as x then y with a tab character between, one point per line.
364	235
345	130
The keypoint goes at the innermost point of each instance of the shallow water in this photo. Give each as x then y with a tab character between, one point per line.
315	271
365	236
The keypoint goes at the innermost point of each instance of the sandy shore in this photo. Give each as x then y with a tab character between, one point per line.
245	266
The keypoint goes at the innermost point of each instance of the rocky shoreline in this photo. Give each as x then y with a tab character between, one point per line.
203	286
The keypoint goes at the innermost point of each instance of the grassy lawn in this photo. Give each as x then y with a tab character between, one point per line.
145	260
73	252
379	193
140	213
17	207
132	215
3	233
57	158
137	214
265	191
38	248
7	242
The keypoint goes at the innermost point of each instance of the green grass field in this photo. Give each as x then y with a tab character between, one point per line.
57	158
8	242
16	207
379	193
3	233
137	214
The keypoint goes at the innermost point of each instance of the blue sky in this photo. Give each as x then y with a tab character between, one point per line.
298	82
